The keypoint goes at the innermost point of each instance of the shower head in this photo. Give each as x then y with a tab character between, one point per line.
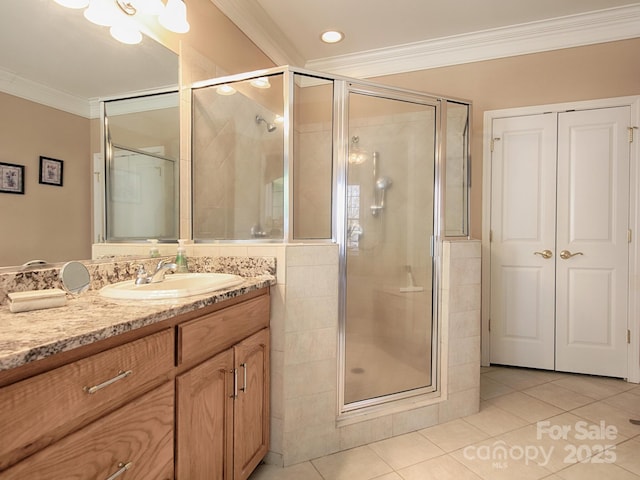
270	126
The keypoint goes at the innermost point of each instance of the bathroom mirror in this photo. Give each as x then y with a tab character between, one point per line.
75	277
53	56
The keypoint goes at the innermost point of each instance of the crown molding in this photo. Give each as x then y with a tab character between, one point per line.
262	30
564	32
619	23
36	92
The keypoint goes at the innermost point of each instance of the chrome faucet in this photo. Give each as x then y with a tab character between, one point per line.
162	268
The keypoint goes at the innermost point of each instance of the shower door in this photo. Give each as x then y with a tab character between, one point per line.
387	304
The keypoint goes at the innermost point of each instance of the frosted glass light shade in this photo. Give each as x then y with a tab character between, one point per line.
73	3
126	34
148	7
174	17
102	12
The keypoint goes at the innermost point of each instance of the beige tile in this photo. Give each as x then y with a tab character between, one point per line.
311	345
440	468
459	404
463	377
524	406
413	420
594	387
559	396
596	471
490	388
464	324
388	476
310	442
520	379
492	459
453	435
626	401
494	421
310	313
628	455
547	452
465	350
295	472
405	450
309	410
360	463
362	433
612	415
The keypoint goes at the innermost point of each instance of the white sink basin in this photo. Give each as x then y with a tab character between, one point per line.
175	285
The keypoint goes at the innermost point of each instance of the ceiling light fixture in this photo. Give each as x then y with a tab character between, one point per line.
261	82
73	3
332	36
225	89
125	17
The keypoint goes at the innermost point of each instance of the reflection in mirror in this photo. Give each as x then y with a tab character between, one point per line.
54	66
142	137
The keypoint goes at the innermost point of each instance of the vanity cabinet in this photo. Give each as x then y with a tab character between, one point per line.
186	399
222	420
135	443
44	408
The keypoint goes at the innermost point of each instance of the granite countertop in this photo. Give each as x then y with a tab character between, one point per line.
89	317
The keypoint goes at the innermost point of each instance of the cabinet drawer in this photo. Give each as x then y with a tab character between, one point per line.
39	410
208	335
138	436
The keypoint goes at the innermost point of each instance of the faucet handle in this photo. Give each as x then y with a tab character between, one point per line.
142	275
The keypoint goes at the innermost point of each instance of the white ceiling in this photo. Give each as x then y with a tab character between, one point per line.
390	36
53	55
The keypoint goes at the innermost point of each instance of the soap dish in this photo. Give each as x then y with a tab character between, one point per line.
36	300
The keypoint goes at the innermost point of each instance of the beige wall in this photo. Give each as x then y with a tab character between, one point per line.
583	73
48	222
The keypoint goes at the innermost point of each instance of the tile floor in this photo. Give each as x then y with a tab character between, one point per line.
532	425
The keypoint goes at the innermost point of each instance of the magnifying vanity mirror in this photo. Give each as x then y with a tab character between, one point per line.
54	68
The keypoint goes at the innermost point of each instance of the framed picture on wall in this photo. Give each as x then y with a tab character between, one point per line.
11	178
50	171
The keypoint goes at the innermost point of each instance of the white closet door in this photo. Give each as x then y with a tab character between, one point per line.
523	202
593	207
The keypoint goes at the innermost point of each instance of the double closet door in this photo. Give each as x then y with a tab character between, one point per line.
560	241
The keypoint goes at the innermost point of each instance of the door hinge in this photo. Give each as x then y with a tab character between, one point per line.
628	336
489	323
629	236
493	142
631	129
490	236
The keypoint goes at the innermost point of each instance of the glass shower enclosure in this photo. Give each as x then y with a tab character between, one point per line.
288	155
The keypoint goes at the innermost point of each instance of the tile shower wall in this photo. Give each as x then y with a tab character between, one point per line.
304	343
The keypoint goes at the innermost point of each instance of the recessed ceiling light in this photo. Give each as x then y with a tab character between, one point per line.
332	36
225	89
261	82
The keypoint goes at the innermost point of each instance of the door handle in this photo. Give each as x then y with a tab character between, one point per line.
546	254
566	254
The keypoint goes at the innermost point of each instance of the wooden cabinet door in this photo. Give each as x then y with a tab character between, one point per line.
204	420
251	415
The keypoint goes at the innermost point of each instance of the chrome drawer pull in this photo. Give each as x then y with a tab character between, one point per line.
95	388
244	384
123	468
